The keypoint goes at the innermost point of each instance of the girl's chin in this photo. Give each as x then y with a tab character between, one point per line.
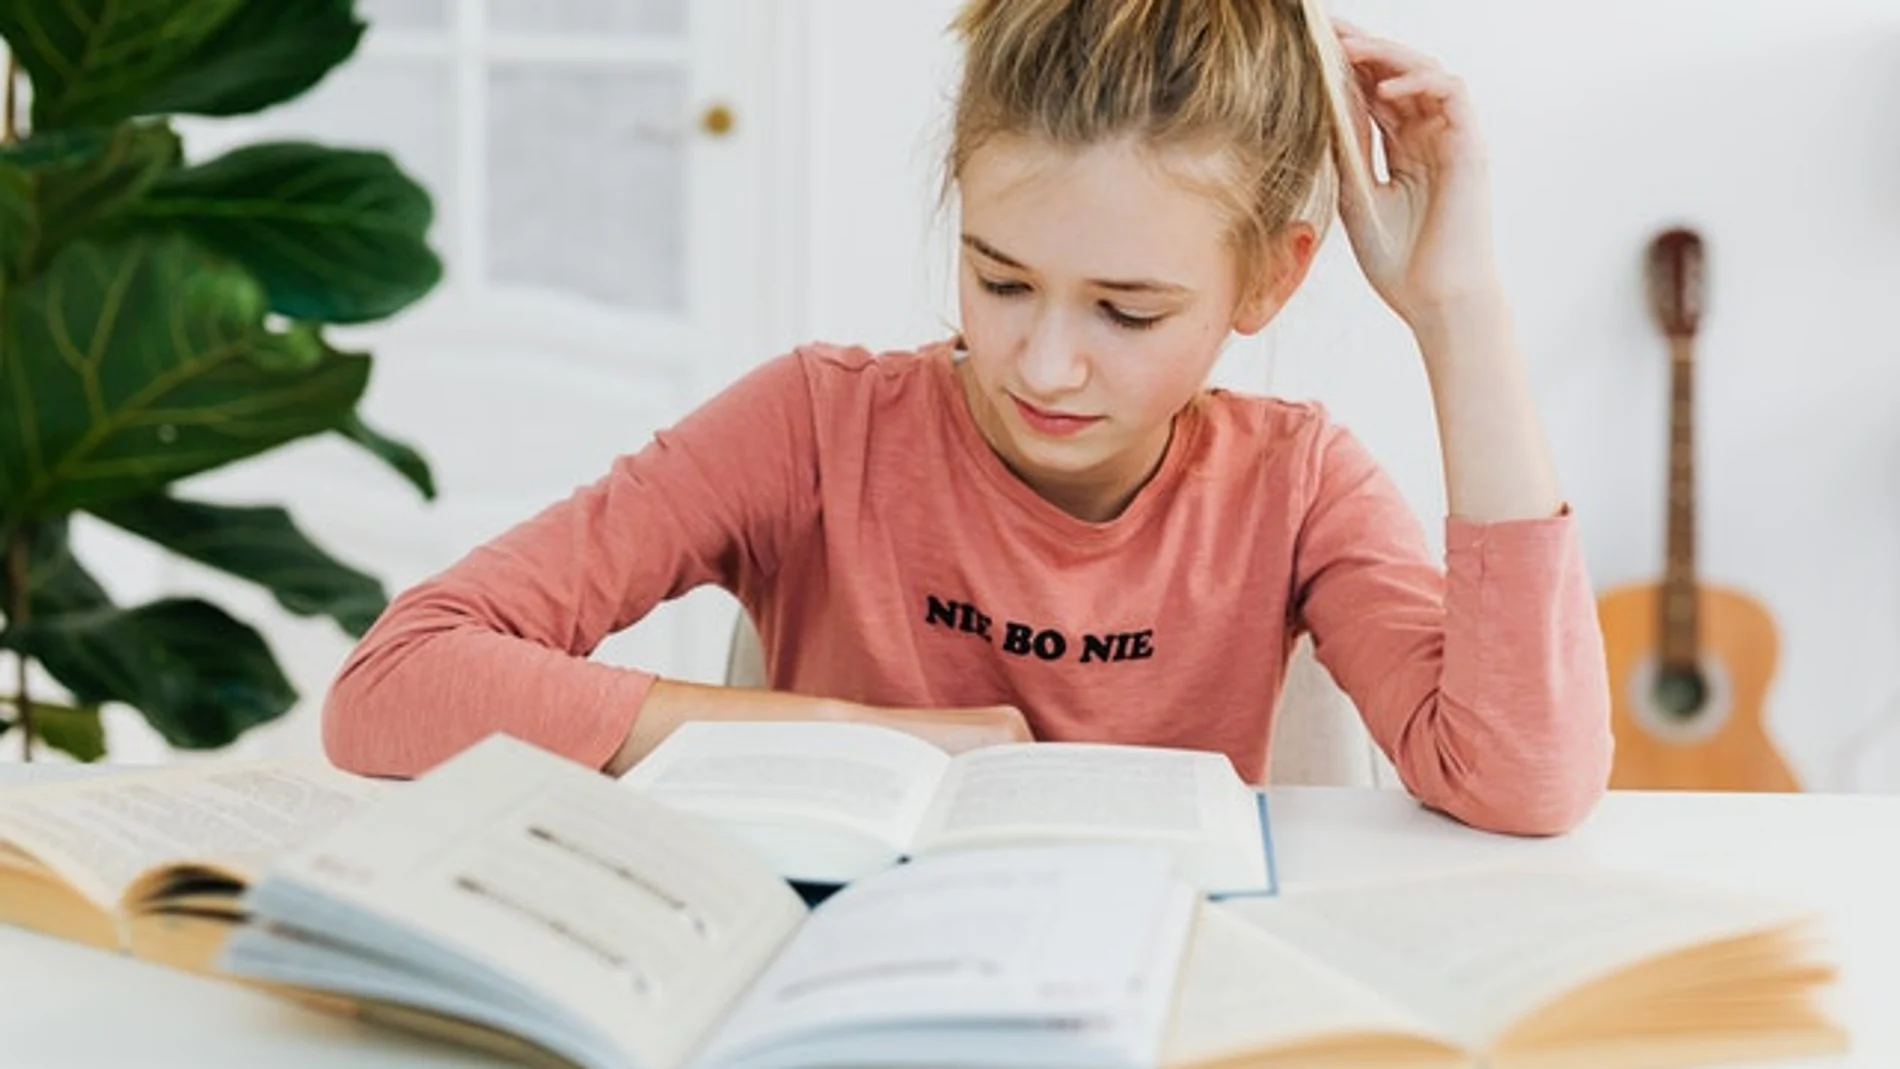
1035	453
1063	457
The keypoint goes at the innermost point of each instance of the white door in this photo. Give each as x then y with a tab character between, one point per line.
605	238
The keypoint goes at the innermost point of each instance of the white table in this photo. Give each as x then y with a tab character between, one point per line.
68	1007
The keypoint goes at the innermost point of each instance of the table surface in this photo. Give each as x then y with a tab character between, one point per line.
64	1006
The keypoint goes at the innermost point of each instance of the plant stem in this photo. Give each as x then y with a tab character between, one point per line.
16	620
9	131
16	539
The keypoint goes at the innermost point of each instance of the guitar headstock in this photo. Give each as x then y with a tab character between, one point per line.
1675	281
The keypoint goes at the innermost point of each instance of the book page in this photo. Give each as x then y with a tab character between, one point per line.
1082	941
1243	992
873	778
1190	799
100	833
516	876
1476	951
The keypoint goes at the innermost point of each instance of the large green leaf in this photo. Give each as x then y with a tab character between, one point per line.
128	366
78	178
95	62
55	581
162	659
56	585
200	677
335	235
405	459
265	54
262	545
74	730
58	148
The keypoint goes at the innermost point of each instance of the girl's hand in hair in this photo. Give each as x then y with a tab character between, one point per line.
1424	242
1431	252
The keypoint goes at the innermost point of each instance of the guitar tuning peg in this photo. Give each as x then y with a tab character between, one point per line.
1676	259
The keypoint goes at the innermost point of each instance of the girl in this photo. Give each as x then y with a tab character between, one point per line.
1049	527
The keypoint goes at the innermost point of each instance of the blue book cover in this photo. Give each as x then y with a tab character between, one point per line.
1266	847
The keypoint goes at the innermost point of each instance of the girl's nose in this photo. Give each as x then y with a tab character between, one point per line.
1052	364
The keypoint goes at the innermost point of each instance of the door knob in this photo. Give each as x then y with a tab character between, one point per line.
717	120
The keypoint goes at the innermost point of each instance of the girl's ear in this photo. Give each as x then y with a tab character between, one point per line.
1288	259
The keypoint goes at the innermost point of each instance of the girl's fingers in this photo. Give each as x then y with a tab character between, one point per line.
1391	51
1390	117
1378	108
1420	95
1369	82
1390	111
1409	98
1435	94
1435	84
1387	57
1371	73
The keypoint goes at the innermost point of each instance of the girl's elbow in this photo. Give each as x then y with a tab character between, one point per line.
1516	781
365	723
1538	813
1539	795
347	738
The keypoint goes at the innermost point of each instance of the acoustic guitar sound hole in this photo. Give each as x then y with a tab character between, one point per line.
1681	692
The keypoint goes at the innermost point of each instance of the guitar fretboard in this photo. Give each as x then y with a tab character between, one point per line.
1680	626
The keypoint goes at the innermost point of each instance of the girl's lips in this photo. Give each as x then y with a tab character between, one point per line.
1052	424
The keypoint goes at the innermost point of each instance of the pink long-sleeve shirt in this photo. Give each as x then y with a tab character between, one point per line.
889	557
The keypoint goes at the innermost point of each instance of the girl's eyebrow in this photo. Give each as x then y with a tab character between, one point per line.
1140	285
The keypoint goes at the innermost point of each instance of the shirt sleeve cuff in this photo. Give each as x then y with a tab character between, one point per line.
1462	535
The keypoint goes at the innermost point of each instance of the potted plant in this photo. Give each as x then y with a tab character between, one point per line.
160	317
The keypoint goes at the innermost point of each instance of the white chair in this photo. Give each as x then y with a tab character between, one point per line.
1318	738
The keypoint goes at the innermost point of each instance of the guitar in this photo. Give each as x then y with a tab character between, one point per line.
1689	662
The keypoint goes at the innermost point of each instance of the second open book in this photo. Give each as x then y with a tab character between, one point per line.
827	803
154	861
515	900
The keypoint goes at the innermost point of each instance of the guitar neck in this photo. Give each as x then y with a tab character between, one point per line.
1680	626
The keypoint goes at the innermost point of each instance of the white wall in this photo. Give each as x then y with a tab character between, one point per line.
1772	127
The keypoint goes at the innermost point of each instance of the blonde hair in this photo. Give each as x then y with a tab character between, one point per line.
1262	83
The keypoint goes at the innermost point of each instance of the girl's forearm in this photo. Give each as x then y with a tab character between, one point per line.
1497	461
670	703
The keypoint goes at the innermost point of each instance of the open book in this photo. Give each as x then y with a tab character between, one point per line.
1502	968
515	900
152	862
826	803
